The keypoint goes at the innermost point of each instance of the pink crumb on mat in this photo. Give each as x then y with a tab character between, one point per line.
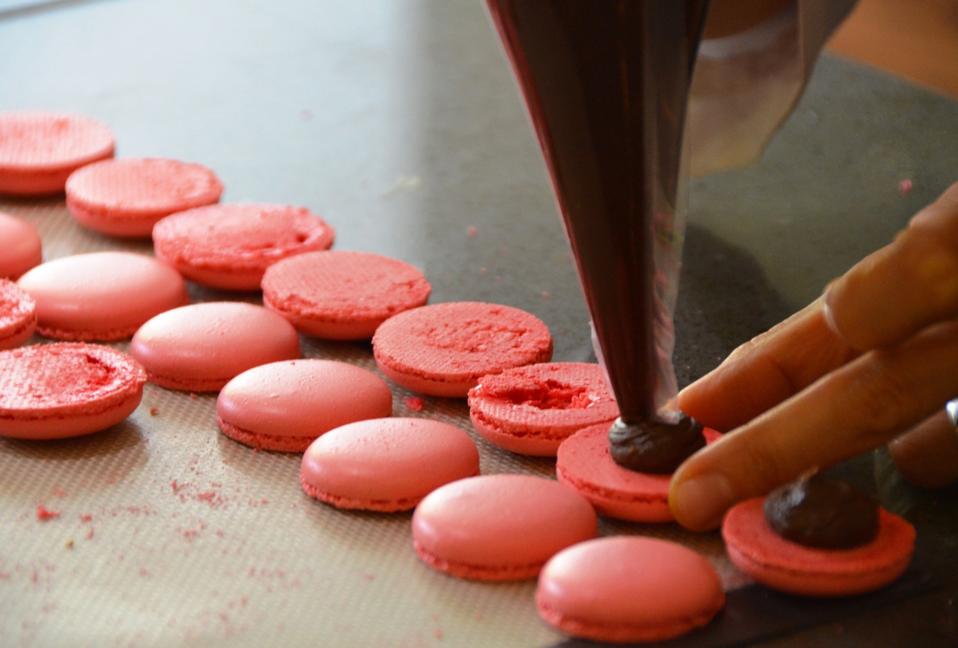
154	411
415	403
59	492
546	294
89	533
86	517
905	186
472	231
44	514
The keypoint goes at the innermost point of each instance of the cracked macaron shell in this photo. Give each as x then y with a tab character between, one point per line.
53	391
532	409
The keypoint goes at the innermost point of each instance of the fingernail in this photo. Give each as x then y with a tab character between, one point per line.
700	502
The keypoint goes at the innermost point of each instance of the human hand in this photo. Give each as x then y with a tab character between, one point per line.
874	358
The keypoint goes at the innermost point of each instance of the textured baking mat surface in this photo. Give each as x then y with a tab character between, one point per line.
168	532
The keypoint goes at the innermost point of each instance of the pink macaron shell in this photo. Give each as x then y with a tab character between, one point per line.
230	246
54	391
628	589
341	294
430	386
18	315
39	150
127	197
101	295
443	349
20	245
530	410
386	464
201	347
286	405
755	548
499	527
585	464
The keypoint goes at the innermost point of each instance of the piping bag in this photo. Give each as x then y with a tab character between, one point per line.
609	84
606	83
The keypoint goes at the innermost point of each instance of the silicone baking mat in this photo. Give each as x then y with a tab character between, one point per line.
170	532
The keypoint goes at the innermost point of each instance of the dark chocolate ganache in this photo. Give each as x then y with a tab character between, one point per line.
823	513
655	445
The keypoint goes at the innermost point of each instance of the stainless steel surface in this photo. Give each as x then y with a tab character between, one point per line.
398	121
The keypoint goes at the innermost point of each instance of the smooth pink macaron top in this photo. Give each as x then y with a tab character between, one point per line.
302	398
20	245
443	349
388	463
201	347
38	150
18	315
535	407
501	521
629	588
230	246
75	386
101	295
343	295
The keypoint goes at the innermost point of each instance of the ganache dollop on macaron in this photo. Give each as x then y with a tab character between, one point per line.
819	512
658	445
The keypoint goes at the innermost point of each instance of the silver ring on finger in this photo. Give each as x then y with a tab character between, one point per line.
952	408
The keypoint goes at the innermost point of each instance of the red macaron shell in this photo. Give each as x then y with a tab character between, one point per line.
755	548
101	295
18	315
285	405
499	527
201	347
39	150
530	410
585	464
53	391
443	349
386	464
342	295
20	247
230	246
127	197
628	589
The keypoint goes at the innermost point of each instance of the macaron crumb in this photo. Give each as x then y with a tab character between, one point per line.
415	403
154	411
905	186
44	514
69	544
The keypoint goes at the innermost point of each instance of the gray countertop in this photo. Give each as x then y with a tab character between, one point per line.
400	123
